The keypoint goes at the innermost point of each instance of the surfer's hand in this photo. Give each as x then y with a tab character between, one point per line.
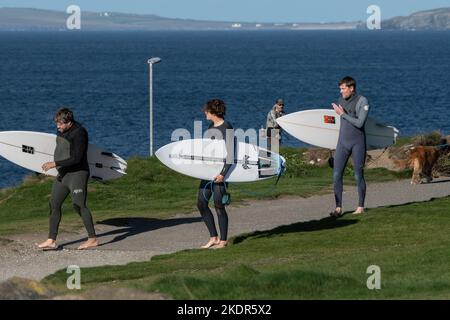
219	178
339	110
48	165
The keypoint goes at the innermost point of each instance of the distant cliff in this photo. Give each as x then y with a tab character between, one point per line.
437	19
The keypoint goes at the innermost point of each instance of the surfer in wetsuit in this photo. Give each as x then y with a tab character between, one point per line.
353	109
70	160
219	129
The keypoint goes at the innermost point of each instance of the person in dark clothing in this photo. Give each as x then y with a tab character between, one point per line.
70	159
219	129
353	109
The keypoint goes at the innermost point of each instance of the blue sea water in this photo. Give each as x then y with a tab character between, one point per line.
103	77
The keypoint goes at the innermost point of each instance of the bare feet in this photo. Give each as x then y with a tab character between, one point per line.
221	244
50	244
90	243
212	242
359	210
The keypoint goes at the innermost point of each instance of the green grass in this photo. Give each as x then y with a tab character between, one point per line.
325	259
152	190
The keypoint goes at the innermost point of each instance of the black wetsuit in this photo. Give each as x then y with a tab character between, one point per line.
352	141
73	175
208	189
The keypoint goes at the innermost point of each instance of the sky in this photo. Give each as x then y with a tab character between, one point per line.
244	10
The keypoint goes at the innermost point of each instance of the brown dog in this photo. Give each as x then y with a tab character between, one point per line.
421	160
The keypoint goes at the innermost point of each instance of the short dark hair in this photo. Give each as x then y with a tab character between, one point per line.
64	115
349	82
216	107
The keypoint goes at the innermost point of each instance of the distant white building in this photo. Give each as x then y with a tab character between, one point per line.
258	25
236	25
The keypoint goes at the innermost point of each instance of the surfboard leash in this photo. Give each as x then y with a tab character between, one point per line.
280	170
226	198
268	192
378	158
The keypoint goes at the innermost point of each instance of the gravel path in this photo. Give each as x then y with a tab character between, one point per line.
138	239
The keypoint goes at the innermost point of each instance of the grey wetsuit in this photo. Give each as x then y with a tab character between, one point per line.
351	142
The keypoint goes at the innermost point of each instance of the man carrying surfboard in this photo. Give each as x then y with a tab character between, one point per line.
353	109
70	160
215	110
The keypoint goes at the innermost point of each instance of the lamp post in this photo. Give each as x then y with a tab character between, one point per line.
151	62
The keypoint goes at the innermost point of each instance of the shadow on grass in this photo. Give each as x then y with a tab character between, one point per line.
316	225
129	227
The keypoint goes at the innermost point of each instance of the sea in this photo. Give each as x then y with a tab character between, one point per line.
104	78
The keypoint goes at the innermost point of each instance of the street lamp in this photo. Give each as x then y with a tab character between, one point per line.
151	62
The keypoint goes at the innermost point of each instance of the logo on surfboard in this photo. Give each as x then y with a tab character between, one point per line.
27	149
329	119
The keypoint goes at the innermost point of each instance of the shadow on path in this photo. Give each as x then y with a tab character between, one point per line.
135	226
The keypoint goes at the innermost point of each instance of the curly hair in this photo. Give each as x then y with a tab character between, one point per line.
216	107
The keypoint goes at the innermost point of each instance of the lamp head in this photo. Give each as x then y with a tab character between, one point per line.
154	60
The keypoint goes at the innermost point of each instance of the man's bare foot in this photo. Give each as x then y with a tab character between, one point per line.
212	242
49	244
90	243
359	210
221	244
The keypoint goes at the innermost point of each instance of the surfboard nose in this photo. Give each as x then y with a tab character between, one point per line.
158	153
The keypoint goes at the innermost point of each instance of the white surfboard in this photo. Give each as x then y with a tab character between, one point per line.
204	159
31	150
320	127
